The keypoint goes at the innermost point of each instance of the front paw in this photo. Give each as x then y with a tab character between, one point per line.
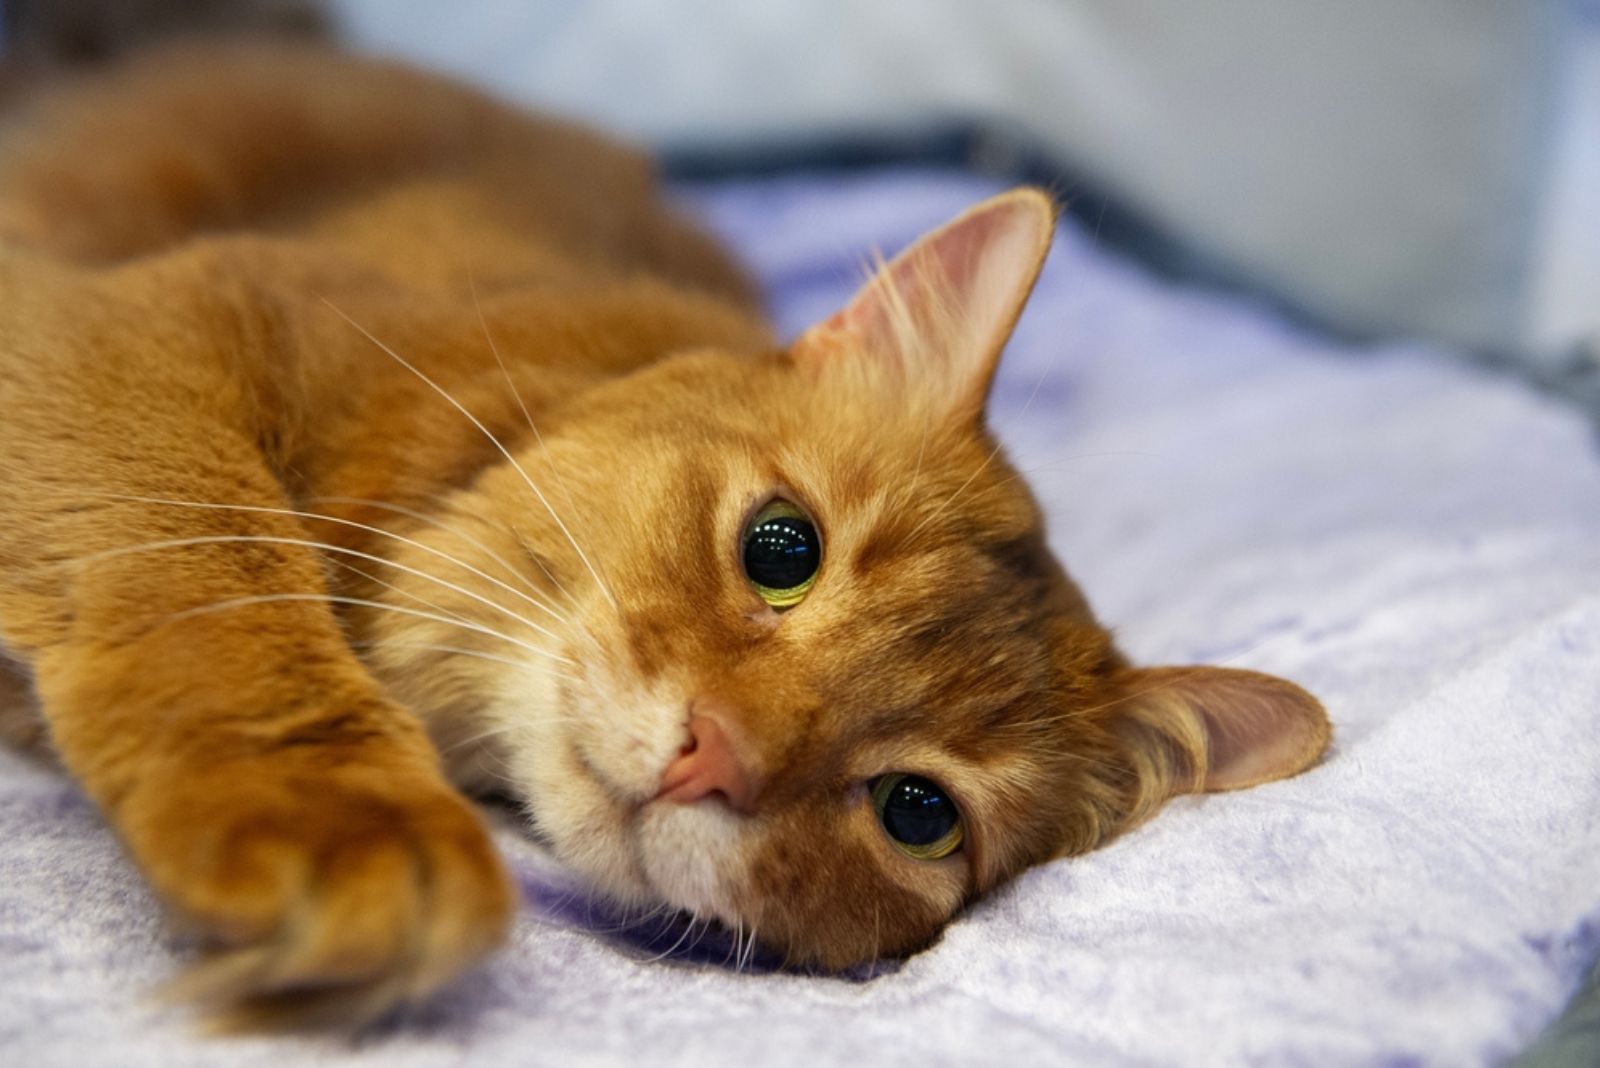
329	887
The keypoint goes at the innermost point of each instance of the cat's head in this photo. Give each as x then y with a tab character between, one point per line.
805	663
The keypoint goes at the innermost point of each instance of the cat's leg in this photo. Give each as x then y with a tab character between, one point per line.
195	678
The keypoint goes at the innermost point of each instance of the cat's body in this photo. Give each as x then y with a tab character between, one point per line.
278	327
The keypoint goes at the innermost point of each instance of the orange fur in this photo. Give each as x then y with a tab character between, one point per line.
270	317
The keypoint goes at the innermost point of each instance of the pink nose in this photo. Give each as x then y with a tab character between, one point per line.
707	765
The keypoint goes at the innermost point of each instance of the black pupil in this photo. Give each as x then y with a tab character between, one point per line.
917	812
782	552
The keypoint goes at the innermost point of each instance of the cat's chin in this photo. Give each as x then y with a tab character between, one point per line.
590	794
691	855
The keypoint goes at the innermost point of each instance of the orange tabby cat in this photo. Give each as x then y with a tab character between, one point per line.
768	634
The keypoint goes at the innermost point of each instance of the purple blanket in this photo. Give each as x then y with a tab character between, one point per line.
1415	542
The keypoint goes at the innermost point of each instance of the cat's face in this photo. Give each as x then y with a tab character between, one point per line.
936	639
808	666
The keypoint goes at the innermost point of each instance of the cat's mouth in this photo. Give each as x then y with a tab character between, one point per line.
682	852
685	854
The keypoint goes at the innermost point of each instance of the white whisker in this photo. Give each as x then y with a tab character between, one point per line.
339	521
345	565
538	561
457	650
322	546
544	449
270	598
736	950
437	524
670	950
750	950
922	450
931	516
537	492
987	460
505	372
701	937
496	732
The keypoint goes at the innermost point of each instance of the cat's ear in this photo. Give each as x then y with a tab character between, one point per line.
1187	729
937	316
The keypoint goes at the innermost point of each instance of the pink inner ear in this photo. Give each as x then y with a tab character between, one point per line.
943	309
945	273
1258	727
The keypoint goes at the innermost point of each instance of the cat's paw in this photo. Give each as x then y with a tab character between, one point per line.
328	892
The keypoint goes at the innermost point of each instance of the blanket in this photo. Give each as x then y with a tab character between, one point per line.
1415	541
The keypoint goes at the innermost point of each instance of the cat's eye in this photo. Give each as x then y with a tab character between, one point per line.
918	815
781	553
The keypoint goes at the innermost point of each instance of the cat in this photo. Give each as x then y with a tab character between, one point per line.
369	444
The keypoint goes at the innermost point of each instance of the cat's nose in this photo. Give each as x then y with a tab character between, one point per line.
707	765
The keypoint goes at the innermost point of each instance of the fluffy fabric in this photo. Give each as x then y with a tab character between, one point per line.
1415	543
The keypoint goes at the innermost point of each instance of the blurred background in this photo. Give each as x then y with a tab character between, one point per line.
1427	169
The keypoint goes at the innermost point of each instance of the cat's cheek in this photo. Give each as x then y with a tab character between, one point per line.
587	827
837	894
627	738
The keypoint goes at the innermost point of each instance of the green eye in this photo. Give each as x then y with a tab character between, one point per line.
781	554
918	815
